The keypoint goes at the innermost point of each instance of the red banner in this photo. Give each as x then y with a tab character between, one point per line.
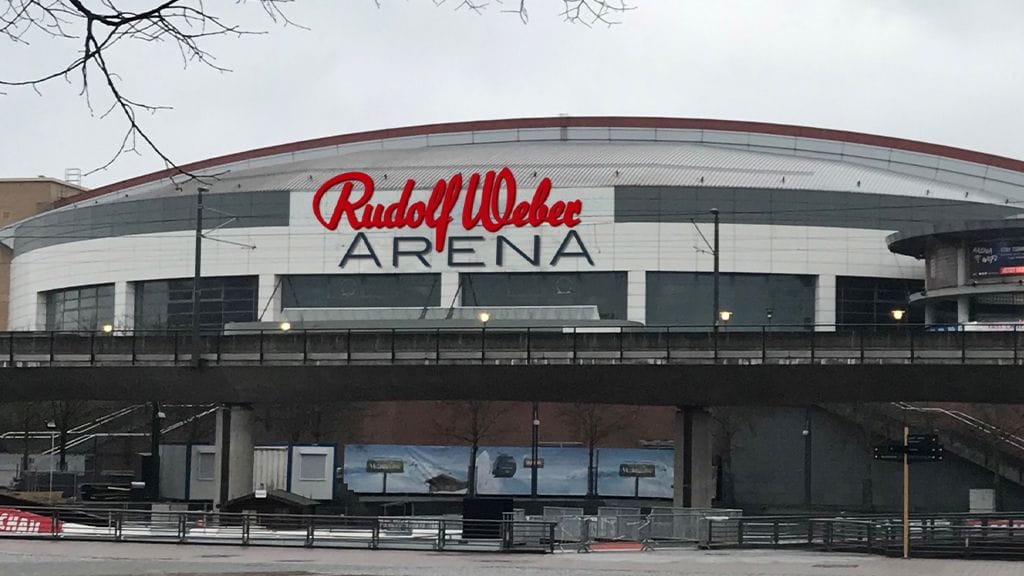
18	521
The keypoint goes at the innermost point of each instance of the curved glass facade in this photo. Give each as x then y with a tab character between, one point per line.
81	308
785	301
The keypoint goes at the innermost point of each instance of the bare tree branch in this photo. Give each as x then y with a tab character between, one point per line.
99	27
102	25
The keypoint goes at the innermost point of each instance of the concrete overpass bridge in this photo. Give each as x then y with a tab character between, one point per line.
619	365
679	367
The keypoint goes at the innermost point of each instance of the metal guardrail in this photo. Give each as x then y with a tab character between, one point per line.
661	527
542	345
320	531
948	535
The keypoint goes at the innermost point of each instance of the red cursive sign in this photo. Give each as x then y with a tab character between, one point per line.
495	209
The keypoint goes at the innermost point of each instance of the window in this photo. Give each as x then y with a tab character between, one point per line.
361	291
312	467
870	301
206	465
83	308
606	290
784	301
167	304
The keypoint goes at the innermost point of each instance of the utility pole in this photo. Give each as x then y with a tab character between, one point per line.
535	449
807	461
714	317
906	493
196	278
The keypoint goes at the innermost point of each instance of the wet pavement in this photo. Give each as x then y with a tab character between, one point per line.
39	558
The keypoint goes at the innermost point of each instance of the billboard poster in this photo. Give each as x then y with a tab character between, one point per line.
507	470
396	469
996	258
634	471
21	522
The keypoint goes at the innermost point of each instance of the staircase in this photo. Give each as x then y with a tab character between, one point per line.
967	436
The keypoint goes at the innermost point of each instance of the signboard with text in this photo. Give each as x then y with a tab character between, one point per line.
996	258
21	522
428	220
385	466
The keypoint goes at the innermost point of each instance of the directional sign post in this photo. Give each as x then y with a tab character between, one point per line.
637	470
915	448
384	467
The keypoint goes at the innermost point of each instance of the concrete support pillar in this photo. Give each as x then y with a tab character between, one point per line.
268	296
124	306
234	449
963	309
825	303
929	313
450	290
636	296
693	478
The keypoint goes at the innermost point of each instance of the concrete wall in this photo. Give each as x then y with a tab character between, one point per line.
768	468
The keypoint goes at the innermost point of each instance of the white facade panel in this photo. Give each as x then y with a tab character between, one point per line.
526	134
725	137
270	468
313	471
772	142
174	471
492	136
450	139
677	135
588	134
639	134
830	147
202	473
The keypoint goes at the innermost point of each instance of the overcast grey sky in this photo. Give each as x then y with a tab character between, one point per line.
943	71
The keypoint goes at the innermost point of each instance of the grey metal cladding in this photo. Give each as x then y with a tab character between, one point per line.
832	209
152	215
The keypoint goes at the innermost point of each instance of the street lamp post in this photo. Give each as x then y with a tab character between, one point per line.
52	427
484	317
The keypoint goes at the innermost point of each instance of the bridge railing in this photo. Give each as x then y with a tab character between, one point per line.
774	344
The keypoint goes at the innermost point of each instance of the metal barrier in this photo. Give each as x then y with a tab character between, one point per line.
399	533
806	344
660	528
947	535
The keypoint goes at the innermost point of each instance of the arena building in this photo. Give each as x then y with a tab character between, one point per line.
571	221
535	220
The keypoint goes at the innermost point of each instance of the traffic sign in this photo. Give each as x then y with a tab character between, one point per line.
921	452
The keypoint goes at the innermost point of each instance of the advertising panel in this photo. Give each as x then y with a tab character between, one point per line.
394	469
18	521
996	258
507	470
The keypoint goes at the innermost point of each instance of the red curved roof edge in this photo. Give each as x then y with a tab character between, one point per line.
568	122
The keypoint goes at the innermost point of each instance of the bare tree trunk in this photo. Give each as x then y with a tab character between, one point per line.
471	486
24	451
63	464
591	473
